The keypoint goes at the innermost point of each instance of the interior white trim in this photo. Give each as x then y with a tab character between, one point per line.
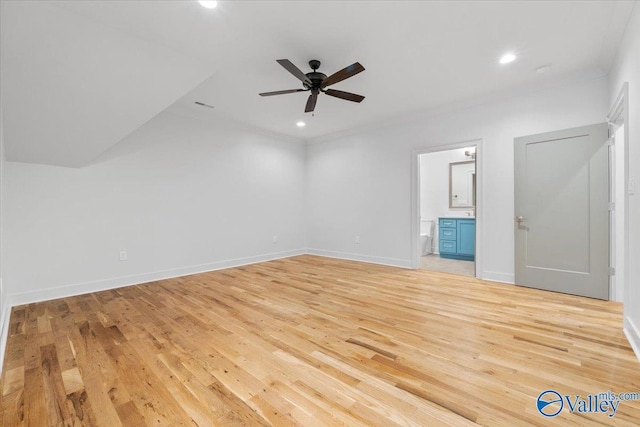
619	116
4	328
620	106
496	276
102	285
497	96
118	282
633	335
392	262
13	300
415	199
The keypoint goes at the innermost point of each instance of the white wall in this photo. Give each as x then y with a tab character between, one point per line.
4	306
626	68
180	195
359	185
434	186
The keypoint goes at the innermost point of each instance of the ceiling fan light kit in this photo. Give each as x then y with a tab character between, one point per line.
316	82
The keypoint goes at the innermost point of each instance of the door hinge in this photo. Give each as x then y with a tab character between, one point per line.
612	271
611	141
612	206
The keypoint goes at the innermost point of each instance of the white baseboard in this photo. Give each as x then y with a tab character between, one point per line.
393	262
13	300
118	282
495	276
9	301
103	285
633	335
5	314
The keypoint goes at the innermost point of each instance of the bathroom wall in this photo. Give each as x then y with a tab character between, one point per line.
434	186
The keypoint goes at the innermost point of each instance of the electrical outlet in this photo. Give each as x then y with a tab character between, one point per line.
357	240
123	255
274	239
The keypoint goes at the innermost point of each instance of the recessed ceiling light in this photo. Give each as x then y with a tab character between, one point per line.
509	57
208	4
301	124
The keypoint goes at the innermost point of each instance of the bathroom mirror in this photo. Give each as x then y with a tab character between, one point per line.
462	184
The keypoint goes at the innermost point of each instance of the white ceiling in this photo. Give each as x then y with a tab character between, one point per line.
78	76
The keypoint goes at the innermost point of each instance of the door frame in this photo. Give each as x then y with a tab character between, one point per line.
415	198
619	116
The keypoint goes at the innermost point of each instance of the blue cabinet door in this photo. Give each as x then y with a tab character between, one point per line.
466	237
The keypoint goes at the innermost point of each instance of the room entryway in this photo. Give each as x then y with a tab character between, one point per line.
446	201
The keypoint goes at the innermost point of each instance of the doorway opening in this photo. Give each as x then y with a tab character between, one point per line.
447	198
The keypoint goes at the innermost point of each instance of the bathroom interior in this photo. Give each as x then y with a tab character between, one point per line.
447	211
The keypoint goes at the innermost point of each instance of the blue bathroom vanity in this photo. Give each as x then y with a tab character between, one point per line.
457	238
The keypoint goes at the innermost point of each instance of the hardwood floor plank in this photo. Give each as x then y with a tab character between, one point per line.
129	414
35	406
55	396
13	409
98	377
314	341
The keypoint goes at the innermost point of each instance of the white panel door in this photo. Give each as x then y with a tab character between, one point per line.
562	211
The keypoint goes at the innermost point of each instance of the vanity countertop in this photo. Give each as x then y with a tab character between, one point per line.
457	217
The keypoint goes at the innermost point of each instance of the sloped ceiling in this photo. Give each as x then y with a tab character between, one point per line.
78	76
73	87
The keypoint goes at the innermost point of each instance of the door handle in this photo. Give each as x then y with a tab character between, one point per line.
520	219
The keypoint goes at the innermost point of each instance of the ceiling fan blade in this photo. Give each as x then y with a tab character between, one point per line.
311	102
281	92
344	95
288	65
345	73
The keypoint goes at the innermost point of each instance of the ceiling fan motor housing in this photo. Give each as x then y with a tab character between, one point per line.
316	78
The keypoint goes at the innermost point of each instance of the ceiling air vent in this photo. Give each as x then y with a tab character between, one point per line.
202	104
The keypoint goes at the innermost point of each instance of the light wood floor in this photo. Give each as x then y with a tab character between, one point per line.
313	341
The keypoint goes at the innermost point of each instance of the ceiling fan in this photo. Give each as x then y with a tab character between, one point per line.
316	82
